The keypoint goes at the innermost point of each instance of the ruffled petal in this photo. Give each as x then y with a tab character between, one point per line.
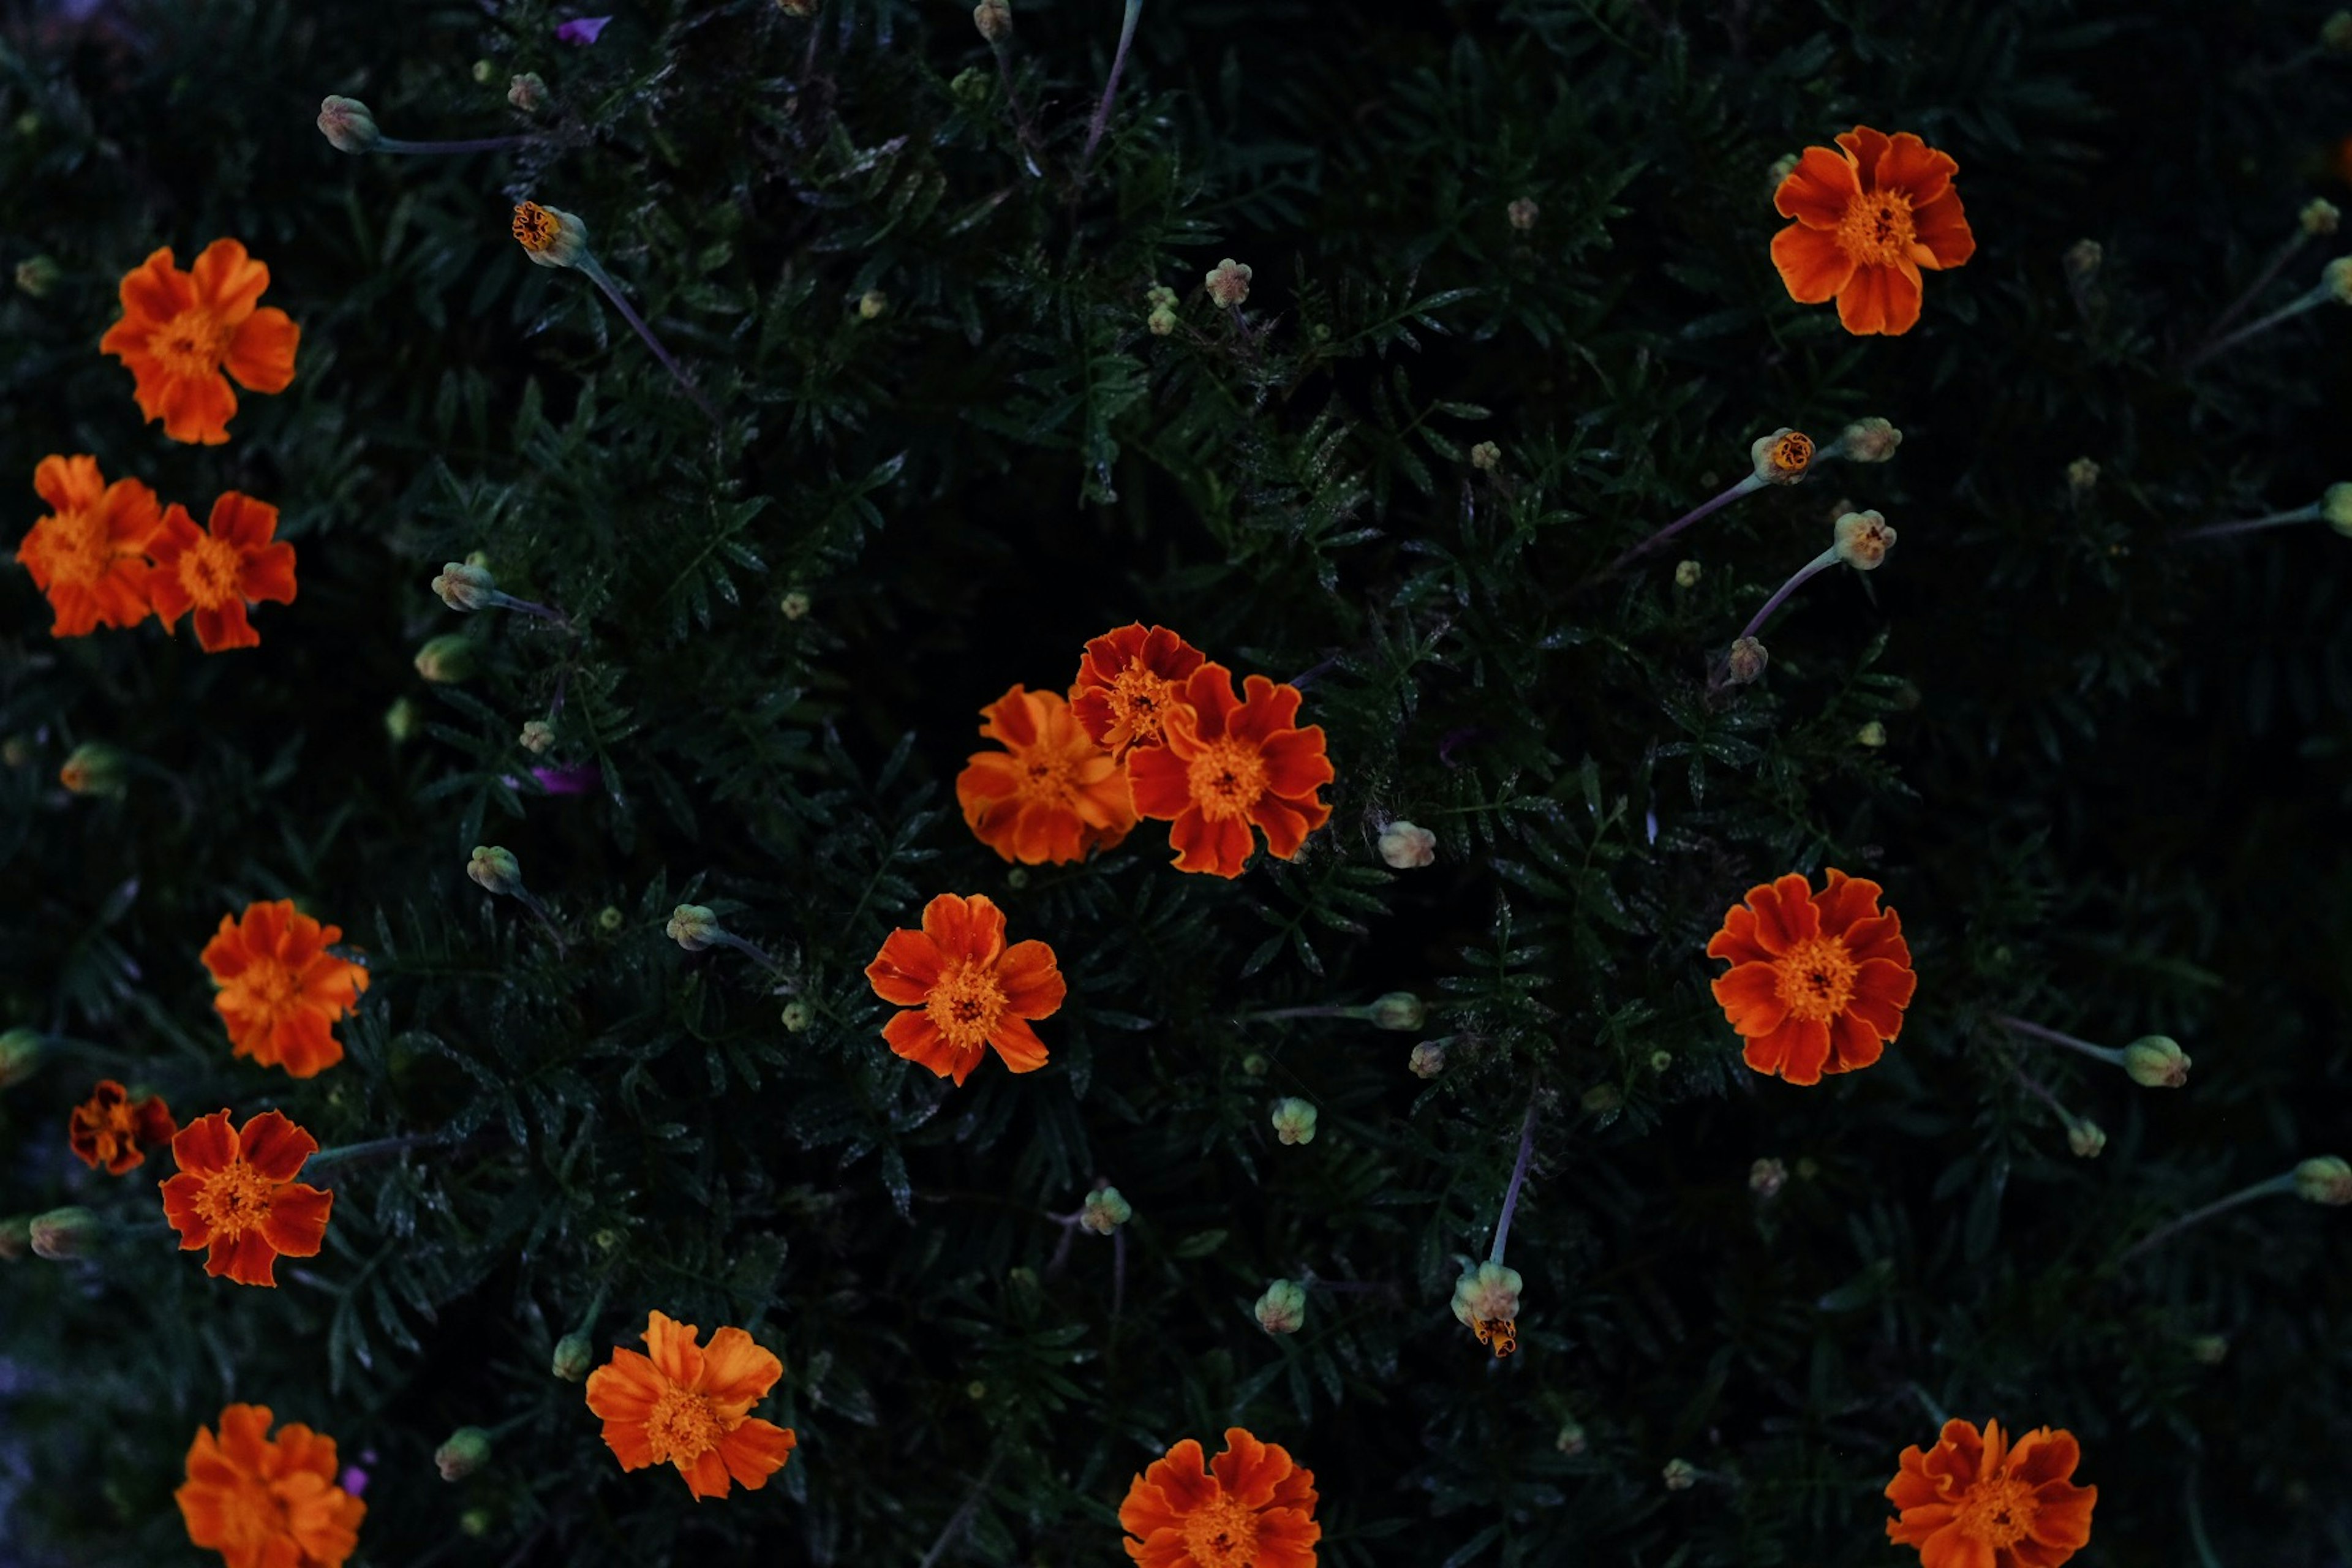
669	1345
1033	985
1819	190
706	1475
275	1146
906	968
736	1370
1882	989
1267	710
297	1222
626	1388
1879	299
1284	825
1749	996
226	280
1911	166
247	1258
1952	1547
1845	901
1867	146
756	1450
1942	228
205	1146
1158	784
1785	915
194	408
1209	692
1737	938
1766	1053
1018	1044
180	1195
914	1036
1249	1471
1807	1050
1852	1043
1813	266
1296	765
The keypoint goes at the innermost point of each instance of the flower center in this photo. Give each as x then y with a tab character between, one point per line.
681	1426
1046	779
1226	779
535	227
80	552
209	572
1139	699
1998	1512
193	343
1500	1335
255	1516
966	1004
1877	229
267	988
1219	1533
236	1200
1816	978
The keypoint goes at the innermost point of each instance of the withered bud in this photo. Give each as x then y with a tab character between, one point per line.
1863	540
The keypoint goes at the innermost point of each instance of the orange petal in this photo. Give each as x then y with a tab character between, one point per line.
735	1369
1018	1044
947	922
1808	1049
1284	825
297	1222
219	630
1852	1043
2045	1455
226	280
1737	938
206	1145
1749	996
706	1475
1249	1469
69	484
914	1036
1765	1053
180	1195
906	968
1266	711
1033	985
1813	266
194	408
669	1345
1208	691
153	292
1880	299
1867	146
1819	190
1158	784
1952	1547
1845	901
1943	232
249	1259
1915	169
275	1146
756	1450
626	1389
1296	765
1785	912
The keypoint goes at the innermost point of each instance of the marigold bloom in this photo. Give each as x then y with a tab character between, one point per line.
217	571
90	555
1487	1302
264	1502
1127	683
1227	765
1818	981
1868	219
280	988
237	1194
966	990
687	1405
1978	1502
111	1130
180	331
1052	794
1252	1507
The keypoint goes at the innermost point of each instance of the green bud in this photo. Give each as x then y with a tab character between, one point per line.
693	927
795	604
1873	734
21	1051
1680	1474
1022	1288
64	1233
2337	278
1767	1176
2319	216
2086	1137
975	1391
1661	1060
528	92
483	71
798	1016
2336	506
16	1236
2324	1179
1604	1098
973	86
1571	1440
2082	477
871	304
1486	457
37	275
1687	573
1428	1059
1398	1010
1283	1309
400	720
2336	32
94	768
447	659
2209	1349
1105	1211
346	123
610	920
1255	1065
477	1523
466	587
1523	214
2155	1061
468	1450
496	870
1162	321
573	1356
536	736
1293	1120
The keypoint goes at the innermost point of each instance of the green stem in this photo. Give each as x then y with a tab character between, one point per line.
2107	1054
350	1154
2284	1184
2222	530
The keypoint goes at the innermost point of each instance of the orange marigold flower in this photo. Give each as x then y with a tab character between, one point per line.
1127	683
1229	764
216	571
1868	219
264	1502
1976	1503
685	1405
280	988
113	1130
1250	1508
90	555
180	329
1052	794
1818	981
237	1194
965	989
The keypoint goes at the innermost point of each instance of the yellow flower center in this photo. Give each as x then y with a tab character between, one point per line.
966	1004
193	343
1500	1335
266	989
1998	1512
1047	779
1138	700
236	1200
1816	978
1219	1533
1877	230
1226	779
681	1426
209	573
535	227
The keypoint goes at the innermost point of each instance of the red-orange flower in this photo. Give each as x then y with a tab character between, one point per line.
1976	1502
180	329
687	1405
1868	219
280	988
237	1194
1052	794
216	570
1818	981
1127	681
1229	764
90	555
264	1502
111	1130
1250	1508
966	990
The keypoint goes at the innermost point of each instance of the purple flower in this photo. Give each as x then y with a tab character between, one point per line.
581	29
355	1480
577	779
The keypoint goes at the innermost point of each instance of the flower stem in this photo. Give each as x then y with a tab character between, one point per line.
1803	574
531	607
1028	138
603	279
2280	1184
962	1515
352	1153
751	950
1319	1010
1747	486
2263	279
2248	525
2107	1054
1111	87
1518	1180
2318	296
478	144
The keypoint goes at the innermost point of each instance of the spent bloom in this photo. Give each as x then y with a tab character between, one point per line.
1978	1501
1746	661
109	1131
688	1405
1767	1176
549	236
62	1234
1487	1302
281	989
235	1194
1252	1507
1406	847
573	1358
1863	539
467	1450
1427	1060
1293	1120
1228	765
89	554
465	587
1486	457
267	1502
1782	458
94	768
1228	282
964	990
1868	219
1818	981
1052	794
1127	681
1871	440
994	20
234	561
527	91
180	331
1283	1309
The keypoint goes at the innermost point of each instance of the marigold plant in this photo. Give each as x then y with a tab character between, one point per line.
267	1502
89	554
216	570
966	990
1052	794
1818	981
281	989
1252	1507
1978	1501
1231	764
1127	680
111	1132
235	1195
1868	219
688	1405
180	331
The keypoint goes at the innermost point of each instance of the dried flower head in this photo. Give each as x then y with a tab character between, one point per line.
1782	458
1746	661
1765	1177
1523	214
1228	282
994	20
111	1132
1406	847
1486	457
1863	539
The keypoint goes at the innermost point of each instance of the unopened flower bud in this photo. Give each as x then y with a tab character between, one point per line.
1228	282
549	236
797	1017
528	92
1602	1099
1660	1060
1872	734
1105	1211
94	768
1863	539
346	123
400	720
1871	440
871	304
1571	1440
495	870
15	752
1398	1010
1293	1120
1766	1178
609	919
2337	278
1781	457
975	1391
2324	1179
1487	1302
65	1233
994	20
37	275
796	606
1687	574
1523	214
2155	1061
2336	32
2082	261
1283	1309
1486	457
2209	1349
797	7
1254	1065
1428	1059
465	587
573	1357
21	1051
1746	661
482	70
1161	322
1780	170
2336	506
2319	217
477	1523
1680	1474
693	927
536	736
16	1236
2082	477
468	1450
2086	1137
447	659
